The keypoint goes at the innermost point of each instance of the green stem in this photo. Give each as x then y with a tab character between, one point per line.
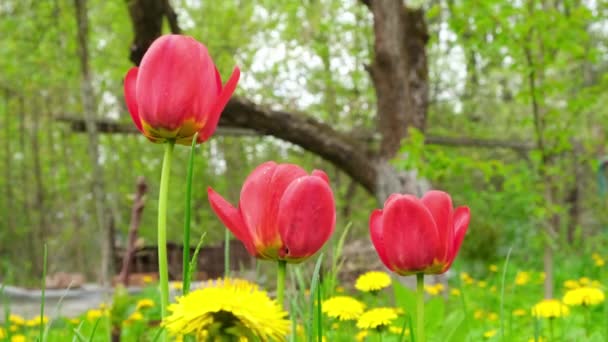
551	336
420	307
163	273
281	282
226	253
186	276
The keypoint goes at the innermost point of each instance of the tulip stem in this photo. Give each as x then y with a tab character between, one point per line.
163	273
281	281
420	307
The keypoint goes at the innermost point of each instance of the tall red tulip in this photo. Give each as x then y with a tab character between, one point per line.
414	235
177	91
283	213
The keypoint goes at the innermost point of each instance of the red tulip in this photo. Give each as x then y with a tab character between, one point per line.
414	235
177	91
283	213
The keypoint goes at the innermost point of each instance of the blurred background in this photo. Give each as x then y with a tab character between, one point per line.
501	103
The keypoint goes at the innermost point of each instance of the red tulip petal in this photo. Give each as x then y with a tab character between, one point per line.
130	91
321	174
439	205
218	107
391	198
376	235
307	216
462	217
260	198
231	217
411	238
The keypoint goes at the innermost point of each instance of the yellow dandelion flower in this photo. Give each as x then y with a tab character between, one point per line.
482	284
550	308
584	281
433	290
571	284
14	328
176	285
74	321
16	319
95	314
466	278
596	284
225	307
490	333
522	278
362	335
134	317
519	312
340	289
493	268
455	292
479	314
492	317
34	322
18	338
540	339
585	296
2	333
378	318
397	330
373	281
147	279
145	303
598	260
595	255
343	308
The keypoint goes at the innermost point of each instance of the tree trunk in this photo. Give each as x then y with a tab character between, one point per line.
90	110
39	237
8	158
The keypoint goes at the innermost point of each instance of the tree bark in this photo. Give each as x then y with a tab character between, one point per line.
90	110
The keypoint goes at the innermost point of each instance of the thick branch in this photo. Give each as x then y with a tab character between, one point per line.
349	152
147	19
305	131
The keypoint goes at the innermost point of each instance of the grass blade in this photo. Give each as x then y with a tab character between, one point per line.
192	265
94	329
77	335
502	295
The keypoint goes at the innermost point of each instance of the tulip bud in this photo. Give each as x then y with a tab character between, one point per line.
283	213
177	91
414	235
